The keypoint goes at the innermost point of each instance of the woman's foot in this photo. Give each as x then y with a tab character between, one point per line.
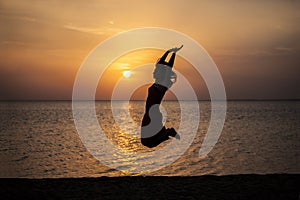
171	132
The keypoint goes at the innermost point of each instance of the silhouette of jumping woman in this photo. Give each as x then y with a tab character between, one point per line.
152	131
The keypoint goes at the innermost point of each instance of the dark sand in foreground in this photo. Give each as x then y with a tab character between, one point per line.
275	186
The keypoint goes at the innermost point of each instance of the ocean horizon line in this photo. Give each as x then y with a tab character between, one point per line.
99	100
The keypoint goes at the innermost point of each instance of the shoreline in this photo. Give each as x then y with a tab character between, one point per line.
250	186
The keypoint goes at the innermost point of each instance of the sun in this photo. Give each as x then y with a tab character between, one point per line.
126	74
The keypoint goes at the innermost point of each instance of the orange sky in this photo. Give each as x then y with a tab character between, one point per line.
255	44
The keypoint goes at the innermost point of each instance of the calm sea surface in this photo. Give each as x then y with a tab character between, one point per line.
39	139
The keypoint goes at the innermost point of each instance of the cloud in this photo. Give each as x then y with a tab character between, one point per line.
280	50
12	42
84	29
92	30
284	49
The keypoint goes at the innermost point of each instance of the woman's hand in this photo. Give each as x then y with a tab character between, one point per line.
175	49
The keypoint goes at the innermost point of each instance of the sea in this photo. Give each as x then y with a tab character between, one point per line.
41	139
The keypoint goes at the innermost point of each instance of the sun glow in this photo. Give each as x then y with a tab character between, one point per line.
126	74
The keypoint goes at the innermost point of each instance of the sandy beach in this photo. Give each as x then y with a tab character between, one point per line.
274	186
